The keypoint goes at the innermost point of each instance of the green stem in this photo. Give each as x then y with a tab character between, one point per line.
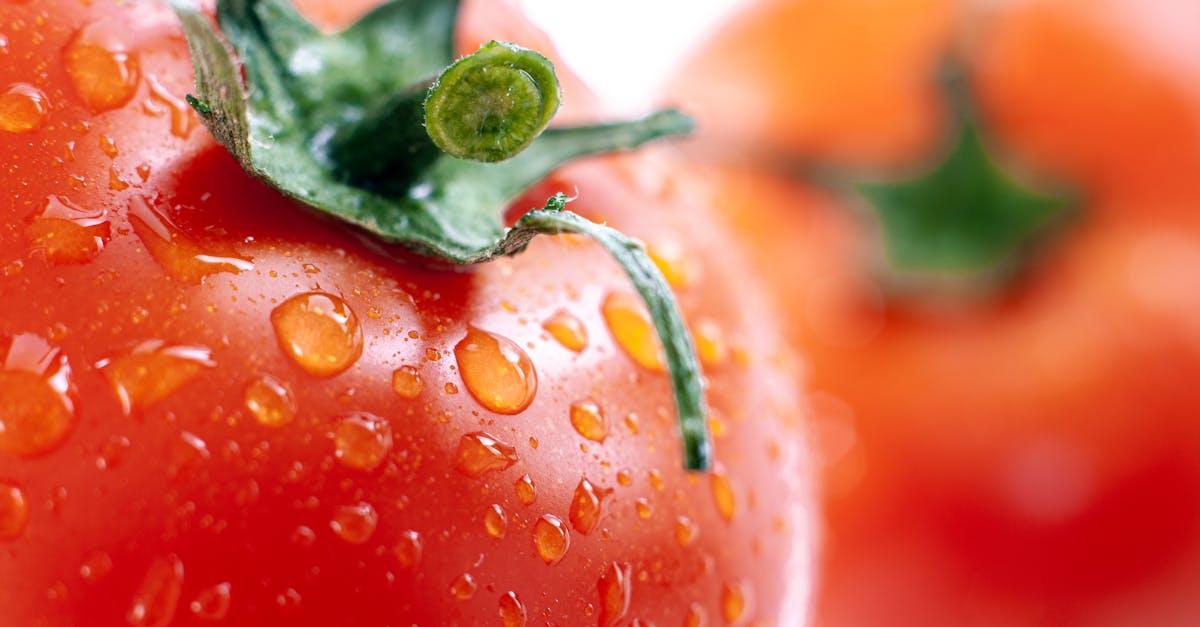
686	378
386	143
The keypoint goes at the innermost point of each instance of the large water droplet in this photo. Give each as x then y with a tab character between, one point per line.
408	549
526	492
735	602
151	371
155	601
36	411
696	616
551	538
567	329
362	441
633	330
588	420
512	611
101	65
480	453
319	331
176	253
212	603
723	493
616	589
586	506
406	382
463	587
686	531
497	372
23	108
14	511
354	523
672	260
495	521
270	401
64	233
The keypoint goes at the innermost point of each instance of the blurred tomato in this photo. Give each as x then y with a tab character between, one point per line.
1028	458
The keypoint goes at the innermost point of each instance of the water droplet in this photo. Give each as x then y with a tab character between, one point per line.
36	412
14	511
643	507
212	603
319	332
304	536
551	538
632	423
624	477
362	441
496	371
101	66
710	342
616	589
495	521
108	146
512	611
722	492
588	420
633	330
406	382
63	233
463	587
95	566
23	108
354	523
686	531
526	493
112	452
270	401
176	253
480	453
181	113
151	371
155	602
735	602
587	505
408	549
568	330
672	261
696	616
656	480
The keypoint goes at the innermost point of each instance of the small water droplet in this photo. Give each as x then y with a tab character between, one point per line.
354	523
14	511
155	601
643	507
408	549
212	603
319	331
496	371
551	538
587	505
480	453
23	108
495	521
567	329
526	493
633	330
735	602
624	477
112	452
177	254
101	65
656	479
588	420
672	261
66	234
270	401
463	587
406	382
36	411
686	531
696	616
616	590
182	118
512	611
108	146
723	493
710	342
151	371
95	566
362	441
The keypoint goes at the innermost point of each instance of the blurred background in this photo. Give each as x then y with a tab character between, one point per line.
981	219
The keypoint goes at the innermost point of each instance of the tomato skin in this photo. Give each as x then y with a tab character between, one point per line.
1028	458
146	518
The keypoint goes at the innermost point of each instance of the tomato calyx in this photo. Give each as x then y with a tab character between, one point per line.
966	224
378	126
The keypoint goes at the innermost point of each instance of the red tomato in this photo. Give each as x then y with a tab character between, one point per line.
1027	459
215	406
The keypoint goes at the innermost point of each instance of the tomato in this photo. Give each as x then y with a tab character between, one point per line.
216	406
1022	457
